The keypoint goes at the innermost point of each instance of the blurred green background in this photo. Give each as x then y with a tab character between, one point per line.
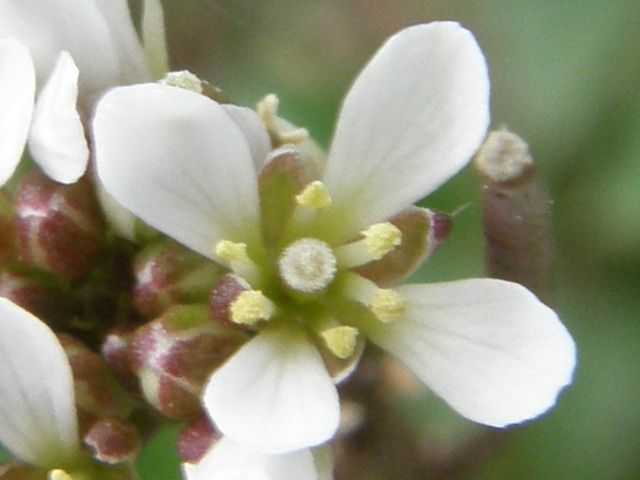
565	76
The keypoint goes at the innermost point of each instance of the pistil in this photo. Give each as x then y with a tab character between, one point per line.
308	266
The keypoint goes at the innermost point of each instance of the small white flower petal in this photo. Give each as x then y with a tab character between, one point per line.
253	130
47	28
17	89
132	65
412	119
56	140
176	160
228	460
489	348
274	395
38	420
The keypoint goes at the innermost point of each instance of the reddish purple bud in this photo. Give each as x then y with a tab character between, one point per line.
168	274
59	226
174	355
97	390
196	439
44	300
223	296
116	351
113	441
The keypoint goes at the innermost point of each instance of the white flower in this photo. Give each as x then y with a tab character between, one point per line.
70	51
38	421
228	460
415	115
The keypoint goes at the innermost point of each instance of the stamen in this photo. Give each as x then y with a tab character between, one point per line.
183	79
379	240
58	474
386	304
250	307
315	195
235	255
307	265
341	340
267	110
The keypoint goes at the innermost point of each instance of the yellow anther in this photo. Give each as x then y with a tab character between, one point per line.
58	474
388	304
267	110
341	340
183	79
232	252
250	307
381	239
315	195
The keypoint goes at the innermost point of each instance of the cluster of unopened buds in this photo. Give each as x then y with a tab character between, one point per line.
173	257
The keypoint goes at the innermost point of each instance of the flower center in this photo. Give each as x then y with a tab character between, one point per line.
308	265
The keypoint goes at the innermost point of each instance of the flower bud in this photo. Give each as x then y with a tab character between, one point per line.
97	391
196	439
59	226
7	232
42	298
113	441
223	296
174	355
116	351
168	274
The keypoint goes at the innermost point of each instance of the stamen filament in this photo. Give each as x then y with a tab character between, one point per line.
379	240
386	304
313	198
235	256
267	110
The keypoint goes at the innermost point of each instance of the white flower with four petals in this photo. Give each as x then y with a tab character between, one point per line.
190	167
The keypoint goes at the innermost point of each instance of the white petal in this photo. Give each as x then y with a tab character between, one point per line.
412	119
47	28
38	420
253	130
56	140
228	460
274	395
132	66
175	159
17	88
118	217
489	348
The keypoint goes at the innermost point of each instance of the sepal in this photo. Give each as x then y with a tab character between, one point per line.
59	227
174	355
